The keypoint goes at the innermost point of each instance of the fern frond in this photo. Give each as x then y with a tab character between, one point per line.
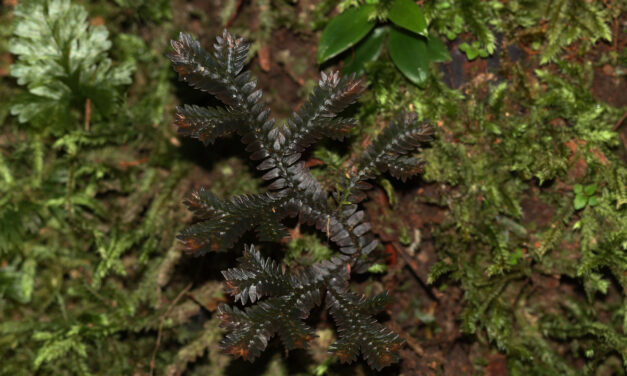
224	222
251	329
206	72
230	53
318	116
207	124
401	137
255	277
405	167
358	330
287	296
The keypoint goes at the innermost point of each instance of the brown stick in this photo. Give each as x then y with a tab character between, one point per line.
163	317
87	114
410	341
133	163
414	269
619	122
234	14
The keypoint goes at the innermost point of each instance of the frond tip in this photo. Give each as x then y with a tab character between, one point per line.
207	124
358	330
212	73
256	277
293	295
222	223
388	152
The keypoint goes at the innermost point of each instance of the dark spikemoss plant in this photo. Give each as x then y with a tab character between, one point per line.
284	297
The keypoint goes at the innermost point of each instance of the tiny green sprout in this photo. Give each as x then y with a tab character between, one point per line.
389	190
584	196
535	45
515	257
403	236
378	268
321	369
473	50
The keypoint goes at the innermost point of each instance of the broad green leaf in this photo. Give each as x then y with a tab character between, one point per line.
409	53
592	201
578	188
580	202
437	50
344	31
590	189
366	51
408	15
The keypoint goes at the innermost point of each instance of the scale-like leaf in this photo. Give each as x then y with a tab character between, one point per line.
207	124
199	69
224	222
358	330
255	277
318	115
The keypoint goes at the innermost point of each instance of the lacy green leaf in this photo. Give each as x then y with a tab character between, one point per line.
63	62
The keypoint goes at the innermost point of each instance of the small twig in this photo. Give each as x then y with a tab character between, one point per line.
234	14
619	122
163	317
410	341
520	291
414	268
624	138
132	163
299	80
87	114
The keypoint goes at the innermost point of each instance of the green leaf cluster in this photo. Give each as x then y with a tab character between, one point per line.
410	45
584	196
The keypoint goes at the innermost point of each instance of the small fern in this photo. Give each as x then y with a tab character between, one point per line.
284	297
